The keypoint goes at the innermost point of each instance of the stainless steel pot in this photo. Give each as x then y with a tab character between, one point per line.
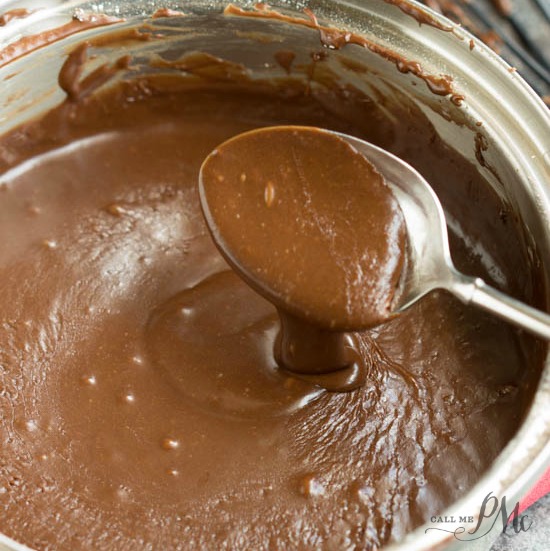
514	119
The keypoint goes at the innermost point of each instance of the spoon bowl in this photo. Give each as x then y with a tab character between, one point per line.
308	222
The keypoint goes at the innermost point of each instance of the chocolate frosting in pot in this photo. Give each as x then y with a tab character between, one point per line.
141	404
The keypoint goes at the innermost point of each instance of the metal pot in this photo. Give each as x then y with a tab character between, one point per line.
514	119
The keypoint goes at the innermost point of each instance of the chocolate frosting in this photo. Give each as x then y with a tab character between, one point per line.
141	403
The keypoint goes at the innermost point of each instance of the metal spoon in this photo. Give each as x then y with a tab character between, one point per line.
429	259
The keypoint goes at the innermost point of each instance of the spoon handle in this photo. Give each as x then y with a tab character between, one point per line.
475	291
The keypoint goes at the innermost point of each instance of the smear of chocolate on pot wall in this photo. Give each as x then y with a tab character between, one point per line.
70	74
335	39
420	15
166	12
81	21
481	145
10	15
285	58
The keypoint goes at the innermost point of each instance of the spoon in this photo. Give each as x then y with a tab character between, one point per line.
428	263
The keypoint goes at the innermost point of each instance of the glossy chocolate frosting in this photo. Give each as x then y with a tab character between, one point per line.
141	404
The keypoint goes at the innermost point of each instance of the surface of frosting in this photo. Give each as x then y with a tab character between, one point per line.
141	404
